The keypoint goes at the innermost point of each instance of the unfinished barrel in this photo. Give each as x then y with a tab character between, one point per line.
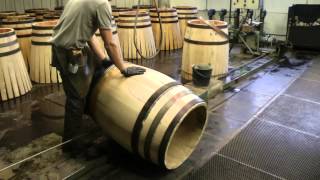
41	70
171	38
117	11
144	35
202	45
14	78
23	29
163	121
185	14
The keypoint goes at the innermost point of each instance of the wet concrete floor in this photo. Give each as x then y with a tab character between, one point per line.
37	118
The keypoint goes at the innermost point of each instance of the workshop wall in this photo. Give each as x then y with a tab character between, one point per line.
276	20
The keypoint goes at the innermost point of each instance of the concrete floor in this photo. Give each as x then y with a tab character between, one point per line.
267	129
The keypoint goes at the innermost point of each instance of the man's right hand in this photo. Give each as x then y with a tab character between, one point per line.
132	71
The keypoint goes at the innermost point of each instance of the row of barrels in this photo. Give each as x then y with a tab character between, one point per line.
40	14
201	45
25	55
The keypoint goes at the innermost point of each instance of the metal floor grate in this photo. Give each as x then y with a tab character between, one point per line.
264	150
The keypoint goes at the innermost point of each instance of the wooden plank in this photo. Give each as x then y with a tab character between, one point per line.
2	84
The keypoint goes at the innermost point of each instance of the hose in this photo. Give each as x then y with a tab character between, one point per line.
135	31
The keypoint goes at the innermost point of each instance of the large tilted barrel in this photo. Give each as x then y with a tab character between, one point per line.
185	14
150	115
23	29
14	77
117	11
144	35
204	46
41	70
171	38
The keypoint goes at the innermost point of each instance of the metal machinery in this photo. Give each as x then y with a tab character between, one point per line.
247	28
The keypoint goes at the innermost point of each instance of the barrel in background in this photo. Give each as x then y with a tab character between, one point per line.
144	35
171	38
163	124
41	70
23	28
14	78
117	11
204	46
185	14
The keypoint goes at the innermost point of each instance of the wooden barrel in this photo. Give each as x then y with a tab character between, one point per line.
145	40
116	11
115	38
5	14
51	16
185	14
171	38
14	78
23	29
203	46
38	13
143	8
163	121
18	16
129	3
41	70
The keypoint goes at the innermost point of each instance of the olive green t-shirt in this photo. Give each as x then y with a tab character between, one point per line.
80	20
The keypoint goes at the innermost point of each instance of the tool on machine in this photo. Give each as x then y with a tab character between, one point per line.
211	13
223	14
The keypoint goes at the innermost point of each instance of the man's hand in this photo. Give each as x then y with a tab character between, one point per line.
132	71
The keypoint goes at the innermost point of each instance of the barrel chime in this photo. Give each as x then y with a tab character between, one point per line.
143	37
171	38
203	46
163	123
14	78
41	70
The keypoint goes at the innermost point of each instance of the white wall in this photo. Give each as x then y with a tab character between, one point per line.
277	12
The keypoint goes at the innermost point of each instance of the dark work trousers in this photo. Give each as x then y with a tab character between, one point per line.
76	87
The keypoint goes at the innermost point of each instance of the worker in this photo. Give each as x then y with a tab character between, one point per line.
77	55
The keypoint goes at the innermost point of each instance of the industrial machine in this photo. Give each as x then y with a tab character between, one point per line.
247	29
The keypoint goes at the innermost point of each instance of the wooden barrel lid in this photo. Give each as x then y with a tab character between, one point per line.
201	25
185	8
163	10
